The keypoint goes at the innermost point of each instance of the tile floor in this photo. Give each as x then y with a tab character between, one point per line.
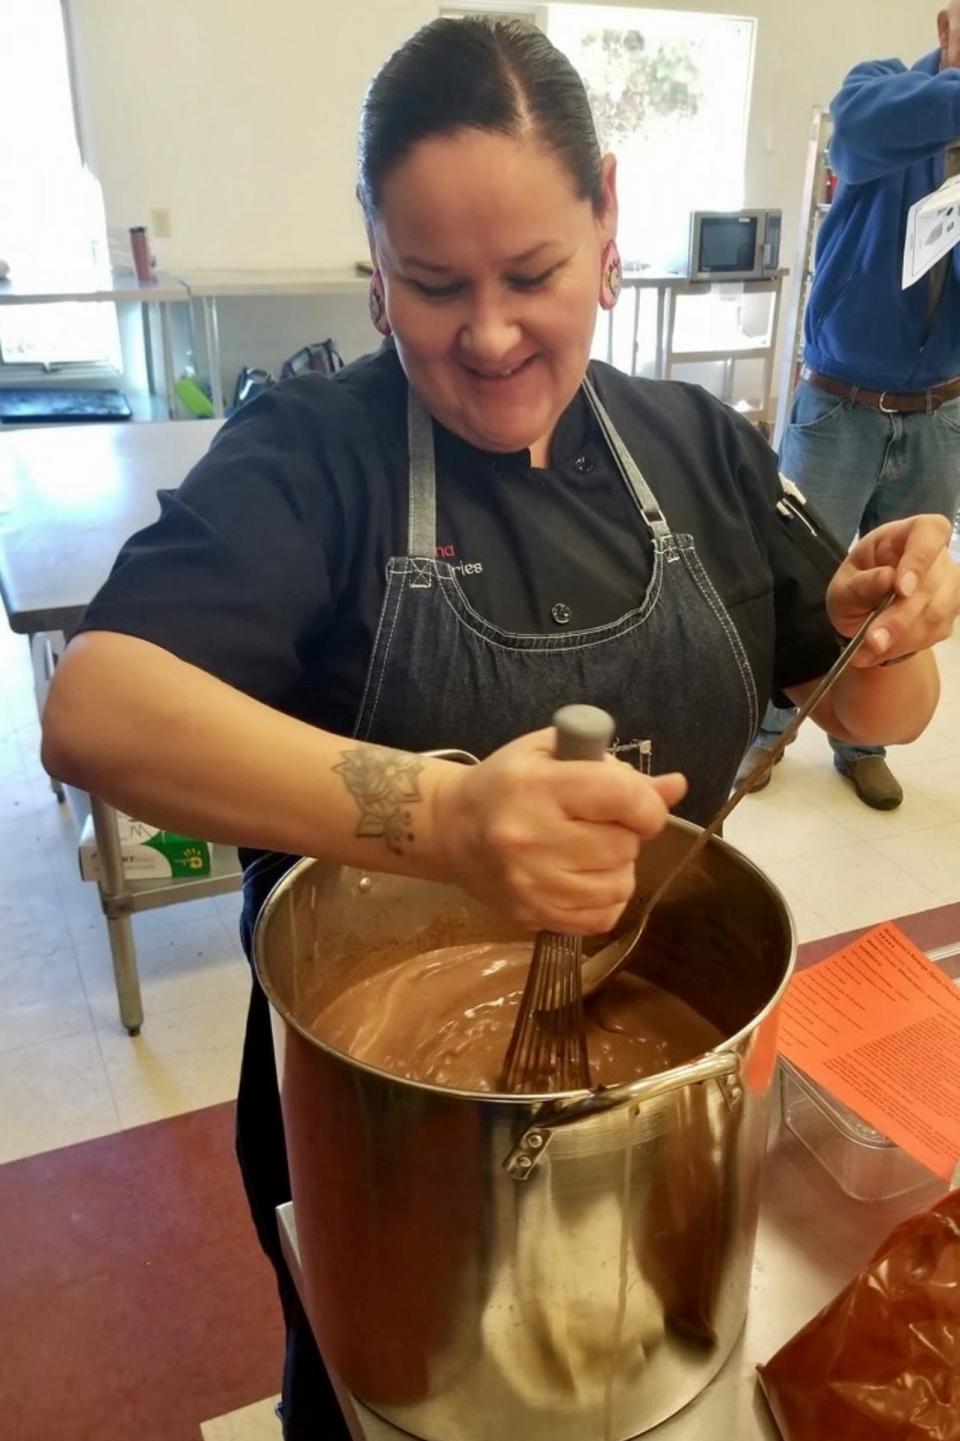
69	1072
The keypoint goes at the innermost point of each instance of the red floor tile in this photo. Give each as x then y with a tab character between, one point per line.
927	929
134	1301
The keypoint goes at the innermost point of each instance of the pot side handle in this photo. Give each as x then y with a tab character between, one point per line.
722	1066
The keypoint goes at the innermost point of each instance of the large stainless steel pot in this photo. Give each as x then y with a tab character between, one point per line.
502	1268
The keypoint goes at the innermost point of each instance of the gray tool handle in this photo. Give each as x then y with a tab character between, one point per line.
584	733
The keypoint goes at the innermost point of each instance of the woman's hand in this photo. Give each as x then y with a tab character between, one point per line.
911	558
551	843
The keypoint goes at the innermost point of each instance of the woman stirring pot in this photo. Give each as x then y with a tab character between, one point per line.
458	534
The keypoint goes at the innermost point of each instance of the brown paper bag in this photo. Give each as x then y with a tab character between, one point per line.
882	1361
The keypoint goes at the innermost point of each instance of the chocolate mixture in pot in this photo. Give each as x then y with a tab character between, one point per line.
446	1018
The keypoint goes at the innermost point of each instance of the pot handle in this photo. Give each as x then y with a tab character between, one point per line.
722	1066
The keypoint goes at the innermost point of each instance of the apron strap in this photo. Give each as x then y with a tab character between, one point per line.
422	486
633	477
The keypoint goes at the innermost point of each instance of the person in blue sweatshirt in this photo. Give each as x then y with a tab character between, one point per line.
874	433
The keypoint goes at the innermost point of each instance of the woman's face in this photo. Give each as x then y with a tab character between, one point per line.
491	270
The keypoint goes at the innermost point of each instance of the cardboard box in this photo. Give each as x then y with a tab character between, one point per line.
148	854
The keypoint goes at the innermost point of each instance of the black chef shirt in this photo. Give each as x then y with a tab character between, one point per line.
267	566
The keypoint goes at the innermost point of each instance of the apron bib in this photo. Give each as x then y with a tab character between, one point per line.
673	672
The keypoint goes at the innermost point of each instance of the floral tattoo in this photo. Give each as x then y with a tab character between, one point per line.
383	783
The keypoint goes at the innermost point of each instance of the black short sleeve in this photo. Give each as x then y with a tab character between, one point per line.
242	571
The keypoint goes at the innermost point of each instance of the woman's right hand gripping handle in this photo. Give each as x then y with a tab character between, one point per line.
552	844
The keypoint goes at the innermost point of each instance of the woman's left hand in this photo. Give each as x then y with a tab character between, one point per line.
911	558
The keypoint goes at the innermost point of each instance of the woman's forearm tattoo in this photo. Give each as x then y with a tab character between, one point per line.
384	785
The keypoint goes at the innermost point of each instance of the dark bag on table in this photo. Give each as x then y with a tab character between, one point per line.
322	356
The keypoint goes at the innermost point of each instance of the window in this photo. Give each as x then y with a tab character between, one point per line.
670	95
51	208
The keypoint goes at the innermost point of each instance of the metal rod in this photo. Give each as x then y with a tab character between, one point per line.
113	894
770	757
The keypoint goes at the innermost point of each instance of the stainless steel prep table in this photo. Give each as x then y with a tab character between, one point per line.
209	287
69	497
669	288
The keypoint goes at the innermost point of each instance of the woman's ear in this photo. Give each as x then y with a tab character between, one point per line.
610	211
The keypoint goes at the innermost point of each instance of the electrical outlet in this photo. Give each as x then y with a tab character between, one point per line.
160	222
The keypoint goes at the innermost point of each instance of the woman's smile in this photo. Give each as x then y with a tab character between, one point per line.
501	377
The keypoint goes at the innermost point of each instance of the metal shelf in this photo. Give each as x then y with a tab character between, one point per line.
225	876
727	346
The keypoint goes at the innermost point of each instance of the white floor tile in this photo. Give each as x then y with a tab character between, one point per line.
79	904
32	921
939	742
12	764
42	999
808	922
776	824
935	782
853	886
926	802
229	907
252	1423
931	856
185	957
181	1060
54	1095
22	815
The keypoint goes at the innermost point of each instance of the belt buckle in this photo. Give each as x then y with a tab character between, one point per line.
887	409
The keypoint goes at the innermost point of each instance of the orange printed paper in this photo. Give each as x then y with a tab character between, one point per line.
878	1026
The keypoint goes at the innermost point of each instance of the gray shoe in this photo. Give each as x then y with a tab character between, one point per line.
873	782
751	759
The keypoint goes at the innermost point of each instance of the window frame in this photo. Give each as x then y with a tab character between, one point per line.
534	14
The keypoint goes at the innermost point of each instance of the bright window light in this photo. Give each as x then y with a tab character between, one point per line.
670	94
51	208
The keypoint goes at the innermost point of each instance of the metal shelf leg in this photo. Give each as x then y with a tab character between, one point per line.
116	903
46	648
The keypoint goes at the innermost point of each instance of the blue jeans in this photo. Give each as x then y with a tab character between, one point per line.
859	468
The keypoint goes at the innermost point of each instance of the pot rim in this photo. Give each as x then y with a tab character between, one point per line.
502	1098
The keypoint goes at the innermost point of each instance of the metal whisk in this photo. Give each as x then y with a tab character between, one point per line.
548	1048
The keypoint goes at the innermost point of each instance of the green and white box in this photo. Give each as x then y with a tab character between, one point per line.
148	854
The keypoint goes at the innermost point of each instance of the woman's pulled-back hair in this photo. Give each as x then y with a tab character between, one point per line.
479	73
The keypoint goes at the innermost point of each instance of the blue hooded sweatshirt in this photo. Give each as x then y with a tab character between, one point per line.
891	129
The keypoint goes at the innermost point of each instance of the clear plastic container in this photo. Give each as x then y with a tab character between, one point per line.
862	1161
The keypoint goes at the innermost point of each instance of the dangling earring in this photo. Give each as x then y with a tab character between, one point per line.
611	275
378	304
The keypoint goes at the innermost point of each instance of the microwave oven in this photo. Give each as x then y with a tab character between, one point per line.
734	244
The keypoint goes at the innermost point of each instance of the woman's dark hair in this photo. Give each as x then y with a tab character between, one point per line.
479	73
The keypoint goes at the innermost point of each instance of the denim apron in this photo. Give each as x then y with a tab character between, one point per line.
672	672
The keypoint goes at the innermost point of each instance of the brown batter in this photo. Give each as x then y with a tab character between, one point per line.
446	1018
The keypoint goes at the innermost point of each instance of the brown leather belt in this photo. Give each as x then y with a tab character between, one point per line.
889	401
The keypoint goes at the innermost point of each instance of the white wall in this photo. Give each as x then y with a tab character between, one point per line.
240	118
